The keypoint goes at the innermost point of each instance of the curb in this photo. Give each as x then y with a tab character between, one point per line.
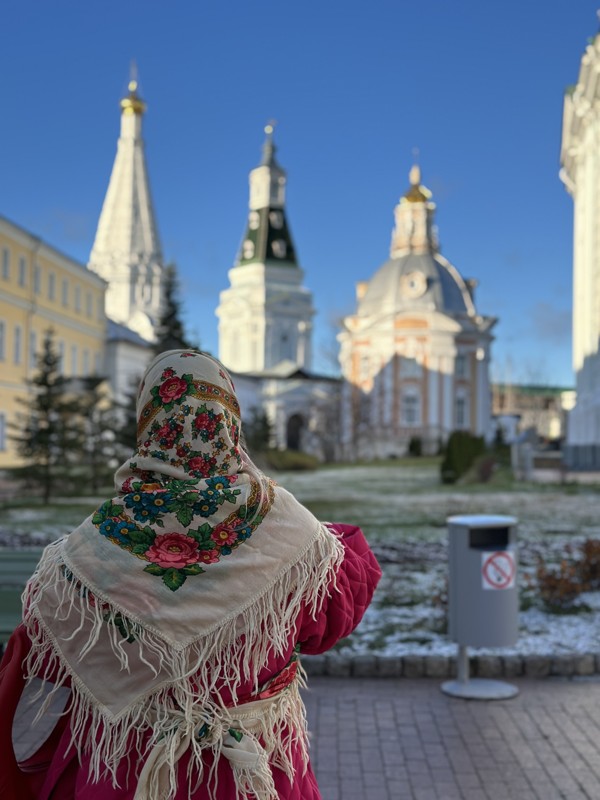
434	666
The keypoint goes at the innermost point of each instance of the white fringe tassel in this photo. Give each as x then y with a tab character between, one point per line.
173	713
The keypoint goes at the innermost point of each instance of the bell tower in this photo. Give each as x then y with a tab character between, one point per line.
265	316
126	250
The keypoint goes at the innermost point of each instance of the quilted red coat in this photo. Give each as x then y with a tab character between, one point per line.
54	771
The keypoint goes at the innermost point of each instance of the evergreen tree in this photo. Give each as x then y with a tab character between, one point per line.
170	334
257	431
100	423
126	427
49	433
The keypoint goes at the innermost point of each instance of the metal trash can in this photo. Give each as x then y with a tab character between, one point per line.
483	599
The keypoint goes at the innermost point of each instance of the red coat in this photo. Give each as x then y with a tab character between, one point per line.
55	771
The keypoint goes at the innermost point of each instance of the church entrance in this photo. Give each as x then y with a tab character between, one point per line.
294	431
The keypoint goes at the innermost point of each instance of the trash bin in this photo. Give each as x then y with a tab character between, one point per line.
483	599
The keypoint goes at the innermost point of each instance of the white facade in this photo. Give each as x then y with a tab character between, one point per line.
416	353
580	172
126	251
265	316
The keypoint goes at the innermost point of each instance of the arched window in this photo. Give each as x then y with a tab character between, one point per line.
411	408
295	424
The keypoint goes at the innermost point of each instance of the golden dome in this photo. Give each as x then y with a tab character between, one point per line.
417	192
133	103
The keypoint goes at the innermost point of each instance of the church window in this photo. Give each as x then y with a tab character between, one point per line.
100	307
253	220
276	219
2	432
51	286
410	368
286	346
65	292
61	358
411	409
78	298
6	263
86	363
97	363
277	192
37	279
279	248
461	366
460	415
22	271
88	304
74	359
248	249
18	344
33	349
2	341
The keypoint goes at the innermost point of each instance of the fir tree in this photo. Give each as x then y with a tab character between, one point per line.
49	431
257	431
100	423
126	428
170	334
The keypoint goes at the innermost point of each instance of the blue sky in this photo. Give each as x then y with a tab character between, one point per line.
355	87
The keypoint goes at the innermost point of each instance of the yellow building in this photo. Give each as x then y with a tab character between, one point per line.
40	288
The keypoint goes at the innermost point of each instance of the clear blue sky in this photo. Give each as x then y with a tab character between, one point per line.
354	86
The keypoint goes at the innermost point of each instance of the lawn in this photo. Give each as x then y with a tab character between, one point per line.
403	509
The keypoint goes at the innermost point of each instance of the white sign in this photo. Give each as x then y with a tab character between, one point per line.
498	570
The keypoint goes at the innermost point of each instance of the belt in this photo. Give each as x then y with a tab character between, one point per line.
232	733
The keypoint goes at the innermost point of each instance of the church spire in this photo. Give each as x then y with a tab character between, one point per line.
265	316
414	230
267	237
126	251
268	157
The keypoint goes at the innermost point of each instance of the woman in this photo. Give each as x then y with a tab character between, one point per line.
167	624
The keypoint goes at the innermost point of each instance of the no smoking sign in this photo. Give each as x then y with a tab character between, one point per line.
498	570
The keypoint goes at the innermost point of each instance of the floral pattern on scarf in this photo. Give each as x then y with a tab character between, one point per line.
186	500
176	555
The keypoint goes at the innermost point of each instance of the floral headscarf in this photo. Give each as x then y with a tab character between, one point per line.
186	582
190	495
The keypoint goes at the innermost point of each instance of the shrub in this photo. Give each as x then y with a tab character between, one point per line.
415	446
589	565
289	460
462	449
559	586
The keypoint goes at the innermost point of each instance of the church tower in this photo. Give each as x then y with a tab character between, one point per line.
415	355
126	251
580	172
265	317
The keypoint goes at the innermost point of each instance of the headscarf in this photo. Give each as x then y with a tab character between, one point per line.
186	581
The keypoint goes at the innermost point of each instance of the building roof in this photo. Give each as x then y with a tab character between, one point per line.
416	282
127	232
267	237
121	333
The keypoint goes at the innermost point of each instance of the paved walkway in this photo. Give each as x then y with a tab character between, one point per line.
388	739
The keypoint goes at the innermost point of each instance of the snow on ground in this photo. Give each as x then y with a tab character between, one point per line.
403	512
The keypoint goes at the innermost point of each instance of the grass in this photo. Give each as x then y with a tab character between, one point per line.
403	509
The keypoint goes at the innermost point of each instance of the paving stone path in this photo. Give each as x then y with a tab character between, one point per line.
390	739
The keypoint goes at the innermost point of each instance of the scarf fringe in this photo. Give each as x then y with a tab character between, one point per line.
185	695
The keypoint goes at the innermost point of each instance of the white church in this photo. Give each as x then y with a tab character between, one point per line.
265	316
580	173
414	357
